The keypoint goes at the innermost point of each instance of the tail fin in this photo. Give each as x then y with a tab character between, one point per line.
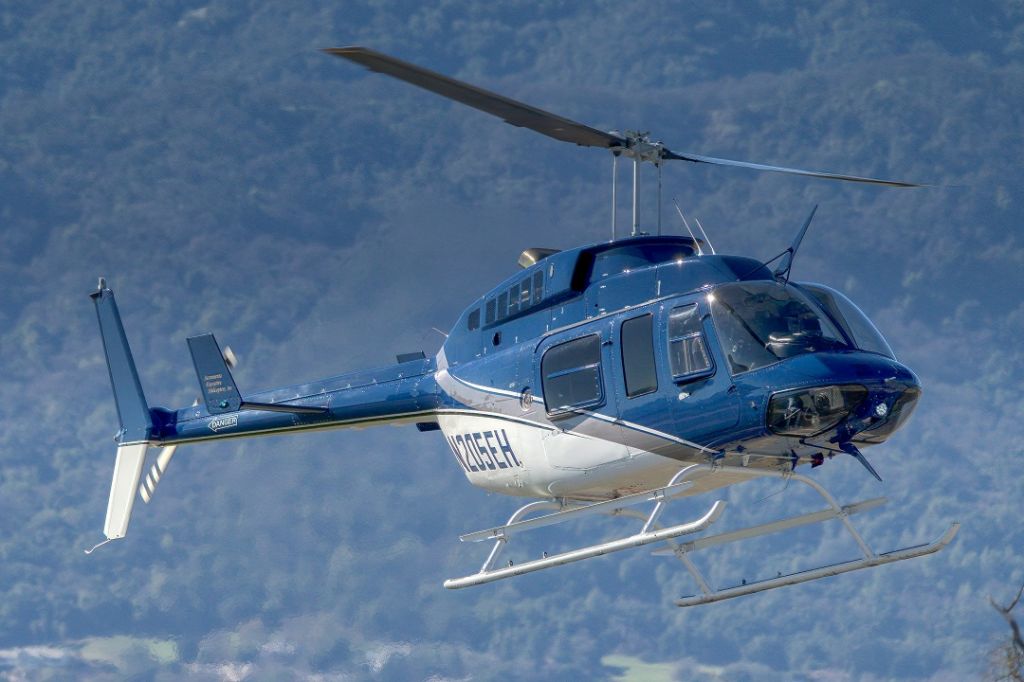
220	393
132	410
215	381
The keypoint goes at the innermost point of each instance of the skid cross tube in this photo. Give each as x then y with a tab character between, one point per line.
567	510
870	559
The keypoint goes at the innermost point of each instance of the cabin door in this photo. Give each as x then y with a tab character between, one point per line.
703	399
577	375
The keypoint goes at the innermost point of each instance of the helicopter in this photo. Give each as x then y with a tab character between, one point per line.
594	380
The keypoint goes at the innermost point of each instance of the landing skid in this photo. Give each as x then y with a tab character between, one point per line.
652	532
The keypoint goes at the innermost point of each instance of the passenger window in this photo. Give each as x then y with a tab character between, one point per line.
524	294
490	312
513	300
538	286
687	351
571	374
638	356
474	320
502	305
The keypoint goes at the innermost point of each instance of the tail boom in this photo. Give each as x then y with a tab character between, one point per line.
403	393
398	394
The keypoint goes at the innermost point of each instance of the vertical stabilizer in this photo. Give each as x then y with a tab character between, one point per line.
127	471
132	410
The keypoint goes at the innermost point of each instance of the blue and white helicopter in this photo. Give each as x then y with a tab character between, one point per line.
596	379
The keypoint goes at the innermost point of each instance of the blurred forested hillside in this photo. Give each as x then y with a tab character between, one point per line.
225	176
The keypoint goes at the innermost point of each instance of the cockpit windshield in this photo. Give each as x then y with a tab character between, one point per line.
854	322
760	323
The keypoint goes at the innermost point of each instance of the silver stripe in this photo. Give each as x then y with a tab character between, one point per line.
486	389
648	430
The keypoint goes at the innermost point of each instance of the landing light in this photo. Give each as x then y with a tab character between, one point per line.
810	411
881	409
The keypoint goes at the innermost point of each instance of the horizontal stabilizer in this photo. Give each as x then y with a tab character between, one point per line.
215	380
220	393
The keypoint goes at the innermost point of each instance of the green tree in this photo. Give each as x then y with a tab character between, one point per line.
1008	659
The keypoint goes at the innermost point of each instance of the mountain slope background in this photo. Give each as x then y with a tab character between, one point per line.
225	176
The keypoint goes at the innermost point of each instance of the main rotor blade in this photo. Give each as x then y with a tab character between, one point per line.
513	112
698	158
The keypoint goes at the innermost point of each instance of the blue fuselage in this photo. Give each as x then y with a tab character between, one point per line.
637	346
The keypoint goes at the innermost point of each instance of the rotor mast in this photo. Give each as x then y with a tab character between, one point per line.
638	147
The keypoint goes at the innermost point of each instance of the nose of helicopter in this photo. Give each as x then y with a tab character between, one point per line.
866	397
856	366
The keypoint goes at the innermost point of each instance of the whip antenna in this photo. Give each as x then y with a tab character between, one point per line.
708	239
696	241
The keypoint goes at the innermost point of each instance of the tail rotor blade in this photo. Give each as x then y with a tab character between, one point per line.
148	486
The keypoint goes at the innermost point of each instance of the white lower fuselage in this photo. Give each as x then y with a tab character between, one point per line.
525	458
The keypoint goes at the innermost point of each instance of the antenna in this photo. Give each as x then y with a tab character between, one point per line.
636	191
708	239
615	178
658	165
782	273
696	241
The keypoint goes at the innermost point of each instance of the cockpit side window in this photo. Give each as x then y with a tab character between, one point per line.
687	350
571	374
